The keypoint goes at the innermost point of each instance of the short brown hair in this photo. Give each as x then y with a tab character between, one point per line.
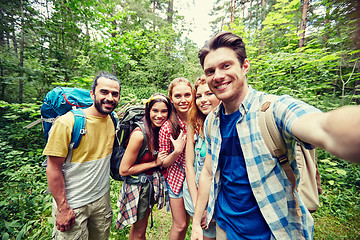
224	39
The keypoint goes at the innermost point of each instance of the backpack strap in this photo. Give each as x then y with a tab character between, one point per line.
144	148
79	127
114	118
269	129
273	140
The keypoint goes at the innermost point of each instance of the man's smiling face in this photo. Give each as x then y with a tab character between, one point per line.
225	76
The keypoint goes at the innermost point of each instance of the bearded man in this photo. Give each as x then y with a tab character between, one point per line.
79	181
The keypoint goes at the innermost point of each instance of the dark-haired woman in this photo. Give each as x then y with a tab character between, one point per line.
137	199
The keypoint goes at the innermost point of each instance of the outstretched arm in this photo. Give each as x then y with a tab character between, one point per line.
66	216
336	131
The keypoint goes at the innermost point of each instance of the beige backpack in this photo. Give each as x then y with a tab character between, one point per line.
309	186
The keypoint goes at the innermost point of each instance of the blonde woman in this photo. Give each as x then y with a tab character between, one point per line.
180	94
203	103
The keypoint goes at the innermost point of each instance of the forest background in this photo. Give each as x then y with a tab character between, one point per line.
307	49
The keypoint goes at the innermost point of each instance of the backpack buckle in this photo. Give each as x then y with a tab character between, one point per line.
283	159
83	131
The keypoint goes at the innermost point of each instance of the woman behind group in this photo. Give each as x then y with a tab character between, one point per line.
180	94
142	196
203	103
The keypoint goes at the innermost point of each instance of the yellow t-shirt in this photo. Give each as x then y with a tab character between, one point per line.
87	173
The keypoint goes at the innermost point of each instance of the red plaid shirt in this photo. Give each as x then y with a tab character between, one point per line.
175	177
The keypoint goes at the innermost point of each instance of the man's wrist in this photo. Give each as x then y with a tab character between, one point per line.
63	207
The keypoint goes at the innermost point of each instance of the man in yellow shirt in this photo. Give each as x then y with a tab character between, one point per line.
79	182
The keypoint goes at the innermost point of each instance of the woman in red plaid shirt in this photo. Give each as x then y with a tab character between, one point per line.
180	94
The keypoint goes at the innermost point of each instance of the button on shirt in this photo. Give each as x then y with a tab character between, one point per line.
269	184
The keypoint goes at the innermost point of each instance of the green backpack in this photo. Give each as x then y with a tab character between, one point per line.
133	117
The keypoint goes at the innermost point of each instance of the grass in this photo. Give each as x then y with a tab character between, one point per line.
162	220
328	226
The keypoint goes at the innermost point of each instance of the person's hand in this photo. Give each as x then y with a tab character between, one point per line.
160	158
179	143
203	220
65	219
196	232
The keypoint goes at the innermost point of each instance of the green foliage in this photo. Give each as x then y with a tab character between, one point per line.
337	216
25	209
312	77
16	116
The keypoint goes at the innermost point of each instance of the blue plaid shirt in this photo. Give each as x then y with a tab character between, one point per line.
268	180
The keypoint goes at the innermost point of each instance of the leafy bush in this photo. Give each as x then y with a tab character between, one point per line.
339	211
24	206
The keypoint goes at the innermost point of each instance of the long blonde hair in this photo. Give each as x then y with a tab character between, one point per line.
174	122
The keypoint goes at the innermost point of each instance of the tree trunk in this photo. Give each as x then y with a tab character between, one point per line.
21	57
327	22
153	10
357	91
262	41
13	36
232	11
251	1
243	10
170	12
357	88
305	9
3	85
2	77
8	40
2	39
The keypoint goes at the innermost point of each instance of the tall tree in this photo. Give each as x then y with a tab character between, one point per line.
305	9
232	10
21	55
170	11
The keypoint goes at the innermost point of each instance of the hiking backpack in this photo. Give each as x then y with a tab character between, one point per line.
61	100
309	186
133	117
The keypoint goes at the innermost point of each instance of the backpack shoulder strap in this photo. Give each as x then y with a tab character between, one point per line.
269	129
272	137
79	127
144	148
274	141
114	118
